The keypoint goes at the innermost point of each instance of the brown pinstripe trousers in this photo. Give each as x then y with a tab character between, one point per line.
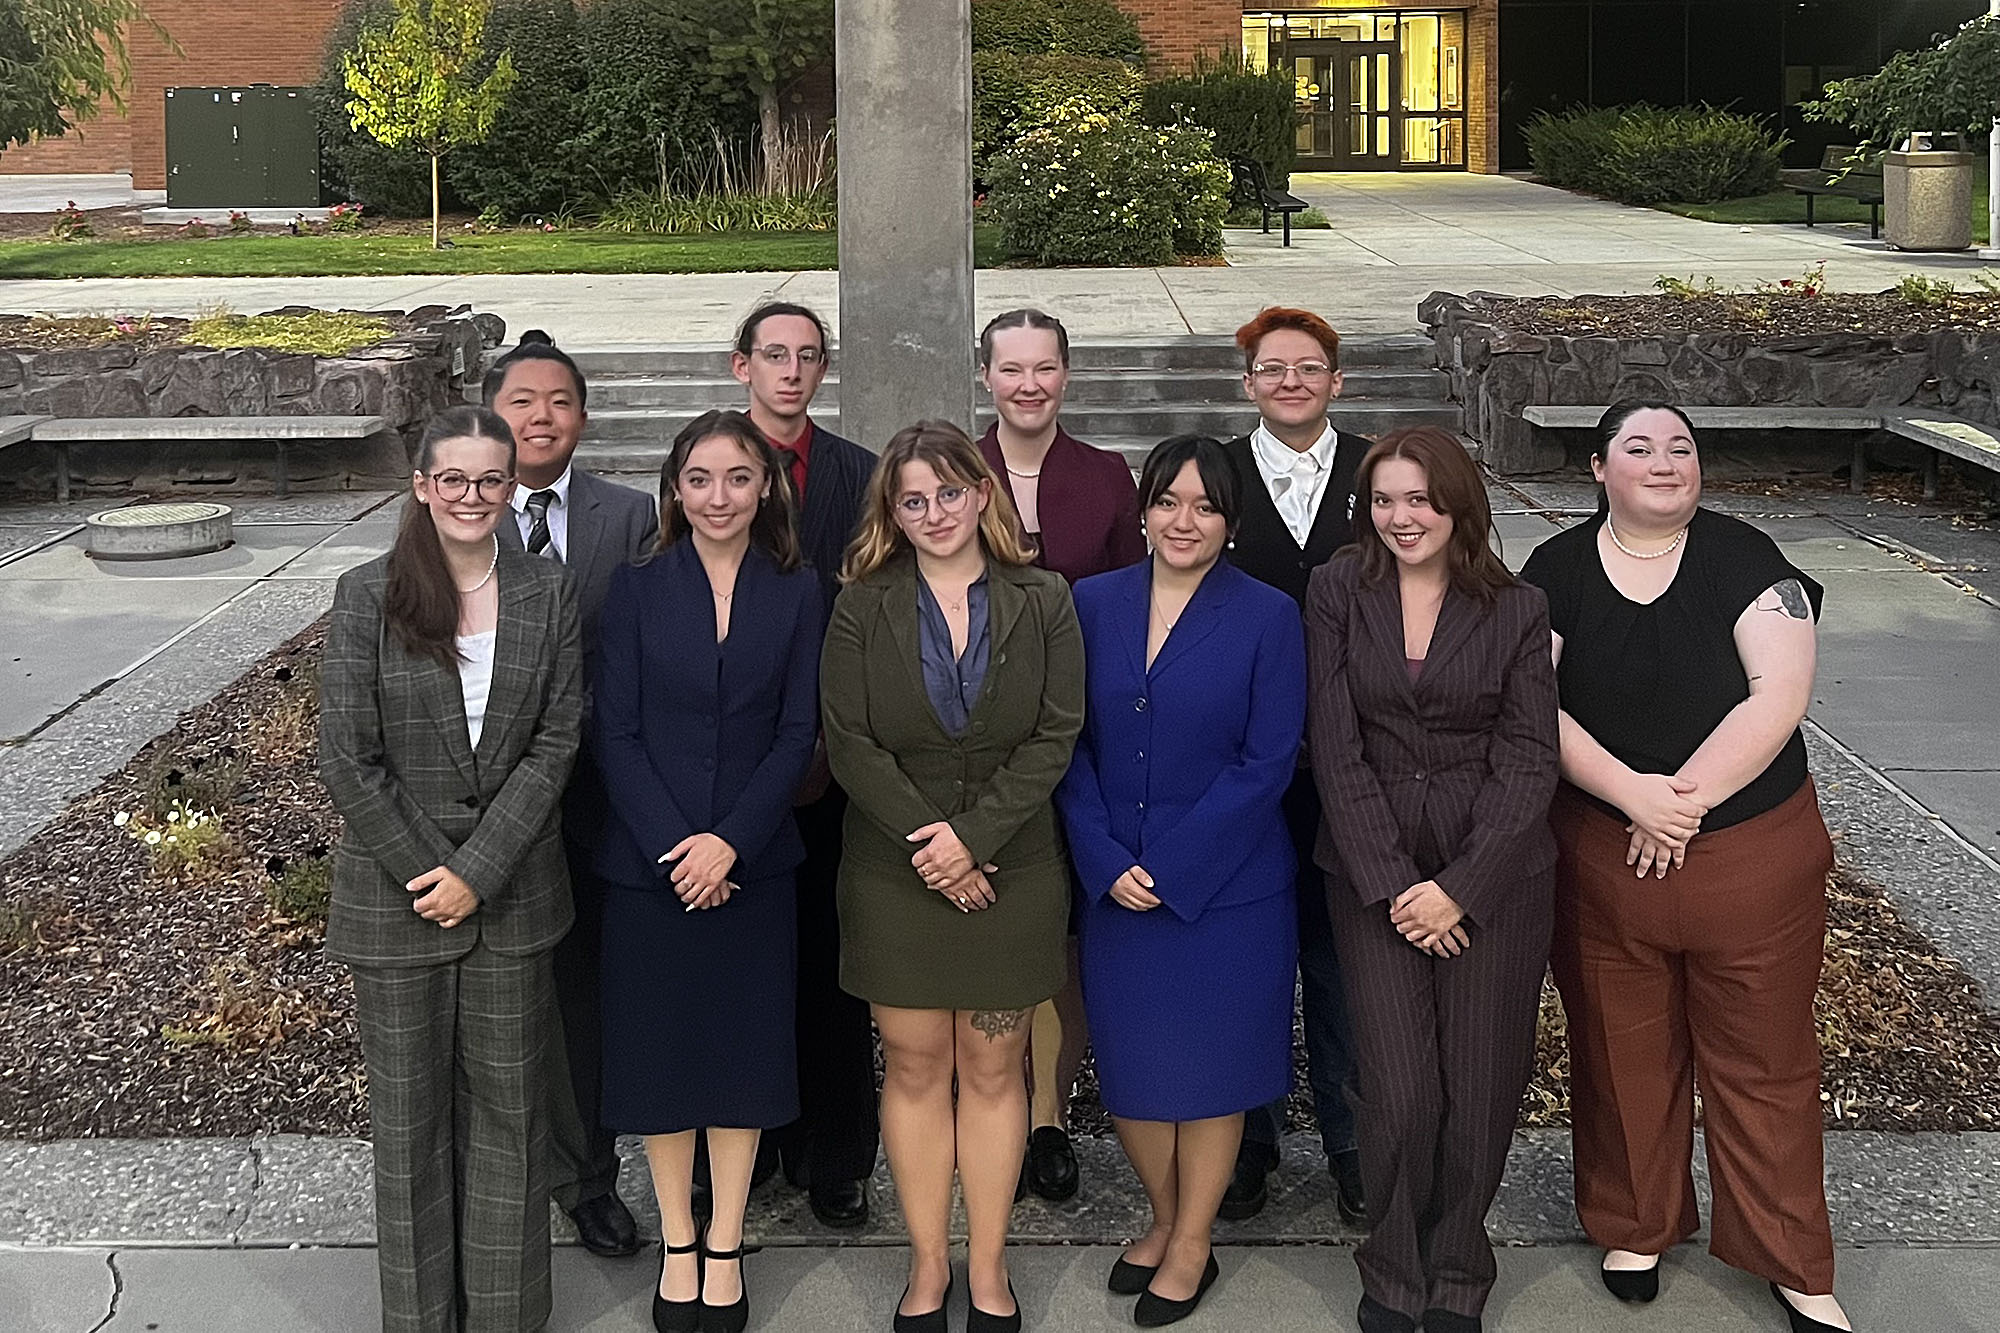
1706	975
457	1112
1444	1048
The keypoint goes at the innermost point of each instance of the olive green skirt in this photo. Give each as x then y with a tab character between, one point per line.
909	947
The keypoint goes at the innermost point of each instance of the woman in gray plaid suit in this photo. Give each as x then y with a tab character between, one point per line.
450	703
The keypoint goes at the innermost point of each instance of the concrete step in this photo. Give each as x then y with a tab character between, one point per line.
699	392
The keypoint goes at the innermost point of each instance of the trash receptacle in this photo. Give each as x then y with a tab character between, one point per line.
1927	195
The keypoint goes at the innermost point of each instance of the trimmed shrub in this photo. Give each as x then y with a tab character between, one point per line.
1095	28
706	211
1088	188
1252	115
1646	155
390	182
1013	93
524	166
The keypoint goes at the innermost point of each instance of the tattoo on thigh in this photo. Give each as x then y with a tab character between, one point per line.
998	1023
1791	599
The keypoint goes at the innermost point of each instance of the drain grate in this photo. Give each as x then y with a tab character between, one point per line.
158	532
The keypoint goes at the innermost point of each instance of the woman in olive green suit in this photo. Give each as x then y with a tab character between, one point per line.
952	685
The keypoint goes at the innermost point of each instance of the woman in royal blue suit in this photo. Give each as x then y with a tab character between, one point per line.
706	712
1196	677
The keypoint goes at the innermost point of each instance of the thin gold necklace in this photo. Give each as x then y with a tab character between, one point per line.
1668	549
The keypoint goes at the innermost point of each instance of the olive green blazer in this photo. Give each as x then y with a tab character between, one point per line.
901	769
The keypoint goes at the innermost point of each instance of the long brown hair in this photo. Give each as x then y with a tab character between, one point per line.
957	461
1452	480
420	603
775	529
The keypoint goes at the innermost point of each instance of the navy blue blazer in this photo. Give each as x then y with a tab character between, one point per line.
1181	769
837	473
695	736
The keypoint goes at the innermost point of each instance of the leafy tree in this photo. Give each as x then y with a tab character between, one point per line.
1951	87
523	167
58	60
761	44
648	118
418	82
392	182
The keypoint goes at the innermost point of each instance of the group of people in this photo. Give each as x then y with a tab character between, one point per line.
658	814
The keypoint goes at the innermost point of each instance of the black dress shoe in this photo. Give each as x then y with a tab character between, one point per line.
1156	1311
604	1226
1051	1164
676	1316
931	1321
840	1203
1129	1279
1801	1321
1451	1321
732	1318
1247	1191
1637	1285
979	1321
1348	1194
1376	1317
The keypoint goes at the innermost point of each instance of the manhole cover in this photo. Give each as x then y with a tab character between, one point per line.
158	532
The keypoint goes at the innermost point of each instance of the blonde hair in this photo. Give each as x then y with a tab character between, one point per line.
957	461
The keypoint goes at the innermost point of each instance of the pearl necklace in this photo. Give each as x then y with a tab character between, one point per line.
1668	549
1025	476
495	564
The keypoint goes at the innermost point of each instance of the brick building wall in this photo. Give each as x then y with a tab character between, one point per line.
96	146
1178	30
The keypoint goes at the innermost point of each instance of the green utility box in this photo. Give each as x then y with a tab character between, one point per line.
254	147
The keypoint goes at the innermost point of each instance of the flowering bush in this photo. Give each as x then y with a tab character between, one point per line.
239	222
344	217
193	229
71	224
181	844
1091	188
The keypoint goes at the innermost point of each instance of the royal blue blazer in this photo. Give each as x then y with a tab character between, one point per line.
1181	769
695	736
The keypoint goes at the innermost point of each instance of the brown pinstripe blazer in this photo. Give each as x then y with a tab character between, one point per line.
1447	778
395	756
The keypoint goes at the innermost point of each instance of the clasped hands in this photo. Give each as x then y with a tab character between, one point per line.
701	879
446	899
945	864
1426	916
1666	813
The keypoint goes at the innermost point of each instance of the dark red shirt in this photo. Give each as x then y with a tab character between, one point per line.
795	452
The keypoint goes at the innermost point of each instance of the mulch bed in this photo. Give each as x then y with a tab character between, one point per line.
138	1008
1782	312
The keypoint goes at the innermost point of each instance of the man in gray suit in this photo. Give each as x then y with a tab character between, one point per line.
592	527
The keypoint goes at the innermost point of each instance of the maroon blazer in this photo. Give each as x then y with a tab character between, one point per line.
1088	505
1448	777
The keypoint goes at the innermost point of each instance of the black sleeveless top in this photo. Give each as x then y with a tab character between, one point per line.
1650	682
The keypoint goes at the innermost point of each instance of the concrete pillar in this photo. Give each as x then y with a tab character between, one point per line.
904	107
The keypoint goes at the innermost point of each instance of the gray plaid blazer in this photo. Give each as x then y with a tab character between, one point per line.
395	756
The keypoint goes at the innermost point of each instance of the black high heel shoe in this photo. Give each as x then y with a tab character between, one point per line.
1801	1321
677	1316
931	1321
731	1318
1634	1285
979	1321
1156	1311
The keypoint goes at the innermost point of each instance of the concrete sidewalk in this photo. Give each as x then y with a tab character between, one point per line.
818	1289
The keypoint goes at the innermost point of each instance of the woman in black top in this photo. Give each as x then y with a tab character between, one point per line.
1691	876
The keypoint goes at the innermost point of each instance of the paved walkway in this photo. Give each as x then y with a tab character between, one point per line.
1396	239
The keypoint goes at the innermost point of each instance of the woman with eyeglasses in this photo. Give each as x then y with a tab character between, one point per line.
952	695
1080	511
450	703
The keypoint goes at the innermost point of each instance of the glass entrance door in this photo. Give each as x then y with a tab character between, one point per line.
1349	114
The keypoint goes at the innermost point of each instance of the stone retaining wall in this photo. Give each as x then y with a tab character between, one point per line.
1496	371
404	379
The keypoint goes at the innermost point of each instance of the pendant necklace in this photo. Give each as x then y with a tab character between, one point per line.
1668	549
495	564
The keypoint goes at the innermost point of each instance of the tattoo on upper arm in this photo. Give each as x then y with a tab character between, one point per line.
1790	597
998	1023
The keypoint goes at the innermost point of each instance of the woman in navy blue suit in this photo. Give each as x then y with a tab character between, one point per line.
706	710
1196	678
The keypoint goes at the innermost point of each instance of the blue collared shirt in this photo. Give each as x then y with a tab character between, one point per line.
953	683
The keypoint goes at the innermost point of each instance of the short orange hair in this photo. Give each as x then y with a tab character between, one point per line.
1274	317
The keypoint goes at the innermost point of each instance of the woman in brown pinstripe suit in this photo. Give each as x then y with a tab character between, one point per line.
1433	736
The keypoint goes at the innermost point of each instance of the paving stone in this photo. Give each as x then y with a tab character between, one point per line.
127	1191
311	1191
62	1291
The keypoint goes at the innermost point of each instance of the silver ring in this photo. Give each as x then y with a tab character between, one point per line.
963	900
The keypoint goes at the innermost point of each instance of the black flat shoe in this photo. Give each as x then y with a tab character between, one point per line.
1376	1317
676	1316
1156	1311
1051	1164
1348	1193
979	1321
604	1226
1801	1321
1247	1192
931	1321
731	1318
1129	1279
1636	1285
1451	1321
840	1204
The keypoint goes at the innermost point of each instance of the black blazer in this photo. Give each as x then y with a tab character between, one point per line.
837	473
1448	777
1264	547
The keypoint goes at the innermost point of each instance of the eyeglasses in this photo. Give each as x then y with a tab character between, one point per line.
778	354
453	485
949	500
1274	372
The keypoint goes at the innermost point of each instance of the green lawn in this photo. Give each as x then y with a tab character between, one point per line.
499	252
1784	206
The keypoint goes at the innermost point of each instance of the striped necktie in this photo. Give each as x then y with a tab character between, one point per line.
539	542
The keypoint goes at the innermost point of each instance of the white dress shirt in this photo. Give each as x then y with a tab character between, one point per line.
558	514
475	679
1295	480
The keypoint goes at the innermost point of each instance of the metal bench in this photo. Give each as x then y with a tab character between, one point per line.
1842	173
1938	432
62	433
1254	186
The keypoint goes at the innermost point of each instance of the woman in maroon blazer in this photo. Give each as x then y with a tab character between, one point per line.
1080	509
1433	735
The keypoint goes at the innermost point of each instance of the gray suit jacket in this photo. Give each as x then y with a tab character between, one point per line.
395	756
610	526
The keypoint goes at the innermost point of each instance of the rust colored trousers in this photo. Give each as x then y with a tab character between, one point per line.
1709	976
